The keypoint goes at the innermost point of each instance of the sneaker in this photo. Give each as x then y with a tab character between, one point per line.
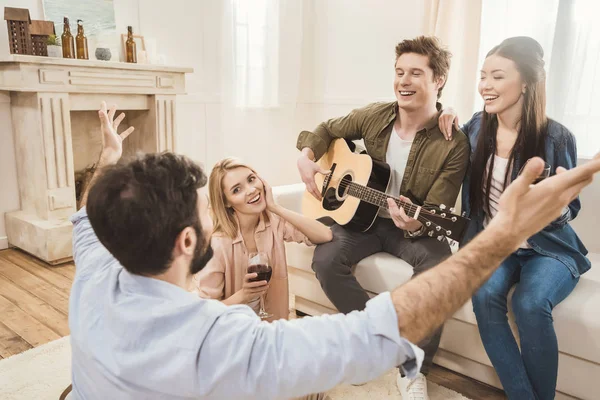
412	389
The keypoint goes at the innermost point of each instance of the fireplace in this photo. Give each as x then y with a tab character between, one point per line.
54	105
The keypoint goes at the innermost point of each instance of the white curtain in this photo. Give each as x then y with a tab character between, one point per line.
457	24
259	62
570	36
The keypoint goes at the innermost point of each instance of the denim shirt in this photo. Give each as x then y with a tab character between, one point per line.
557	240
136	337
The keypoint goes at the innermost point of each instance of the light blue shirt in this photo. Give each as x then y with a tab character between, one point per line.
134	337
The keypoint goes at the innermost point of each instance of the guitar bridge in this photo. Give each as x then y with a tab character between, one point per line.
327	180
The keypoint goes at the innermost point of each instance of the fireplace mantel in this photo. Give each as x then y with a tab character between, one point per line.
46	94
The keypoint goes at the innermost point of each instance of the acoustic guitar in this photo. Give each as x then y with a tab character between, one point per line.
354	192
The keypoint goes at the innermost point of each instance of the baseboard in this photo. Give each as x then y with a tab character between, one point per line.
476	370
465	366
311	308
3	242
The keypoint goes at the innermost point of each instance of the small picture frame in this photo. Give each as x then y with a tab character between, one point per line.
140	44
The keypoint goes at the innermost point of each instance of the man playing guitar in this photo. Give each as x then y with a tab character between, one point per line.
426	169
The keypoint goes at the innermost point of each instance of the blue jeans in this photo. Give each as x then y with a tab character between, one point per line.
542	282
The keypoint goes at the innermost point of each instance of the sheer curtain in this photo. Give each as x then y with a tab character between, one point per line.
570	35
258	65
255	43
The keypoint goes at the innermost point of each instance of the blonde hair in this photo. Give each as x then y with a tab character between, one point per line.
224	221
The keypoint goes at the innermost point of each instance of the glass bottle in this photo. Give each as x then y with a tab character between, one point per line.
130	47
68	42
82	45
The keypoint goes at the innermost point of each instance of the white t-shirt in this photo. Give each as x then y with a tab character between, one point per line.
498	174
396	157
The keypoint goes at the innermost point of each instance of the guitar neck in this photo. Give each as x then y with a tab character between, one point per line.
379	199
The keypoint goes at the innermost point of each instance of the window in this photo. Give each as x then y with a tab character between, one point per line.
256	42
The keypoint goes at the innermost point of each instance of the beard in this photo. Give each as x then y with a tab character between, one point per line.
202	254
201	258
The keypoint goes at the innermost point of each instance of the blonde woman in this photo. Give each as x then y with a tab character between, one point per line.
246	220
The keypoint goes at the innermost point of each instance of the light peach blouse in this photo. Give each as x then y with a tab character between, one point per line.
224	274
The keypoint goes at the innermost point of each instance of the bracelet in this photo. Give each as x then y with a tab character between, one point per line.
416	233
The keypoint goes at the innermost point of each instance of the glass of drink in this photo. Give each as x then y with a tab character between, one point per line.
259	263
545	172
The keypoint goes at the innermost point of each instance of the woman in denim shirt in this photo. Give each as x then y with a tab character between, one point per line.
512	129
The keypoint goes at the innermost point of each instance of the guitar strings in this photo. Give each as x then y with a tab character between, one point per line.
345	182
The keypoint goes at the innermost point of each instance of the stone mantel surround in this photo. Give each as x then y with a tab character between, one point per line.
46	95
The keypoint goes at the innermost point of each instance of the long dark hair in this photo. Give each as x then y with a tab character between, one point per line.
528	56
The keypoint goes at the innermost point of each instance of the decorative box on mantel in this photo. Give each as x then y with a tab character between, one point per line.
17	22
40	30
54	105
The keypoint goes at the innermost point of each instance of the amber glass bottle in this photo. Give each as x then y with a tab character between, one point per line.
68	41
81	40
130	50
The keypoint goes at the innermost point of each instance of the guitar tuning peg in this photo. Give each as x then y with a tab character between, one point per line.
452	210
440	238
443	215
464	214
453	219
442	207
438	228
448	233
433	211
428	223
430	233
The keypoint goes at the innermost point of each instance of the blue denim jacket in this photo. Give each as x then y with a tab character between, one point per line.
557	240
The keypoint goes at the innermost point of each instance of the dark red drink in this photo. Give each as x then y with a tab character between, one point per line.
264	272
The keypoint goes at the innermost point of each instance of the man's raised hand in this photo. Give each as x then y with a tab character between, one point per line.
112	141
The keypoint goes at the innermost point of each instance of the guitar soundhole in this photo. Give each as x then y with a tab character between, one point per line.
335	196
343	187
330	201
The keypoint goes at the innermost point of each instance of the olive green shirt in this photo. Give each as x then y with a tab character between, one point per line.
435	168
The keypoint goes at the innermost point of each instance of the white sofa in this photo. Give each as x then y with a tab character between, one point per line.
577	319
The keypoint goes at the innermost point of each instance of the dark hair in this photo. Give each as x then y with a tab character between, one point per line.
138	209
528	56
430	46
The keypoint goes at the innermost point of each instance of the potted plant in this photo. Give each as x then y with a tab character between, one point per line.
54	48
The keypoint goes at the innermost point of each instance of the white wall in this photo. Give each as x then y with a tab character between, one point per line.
348	55
347	61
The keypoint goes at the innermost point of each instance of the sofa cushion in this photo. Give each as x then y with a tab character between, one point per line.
577	319
377	273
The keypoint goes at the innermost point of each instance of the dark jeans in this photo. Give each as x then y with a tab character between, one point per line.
333	261
542	282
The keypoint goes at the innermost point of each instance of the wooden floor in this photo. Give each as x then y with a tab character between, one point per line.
34	304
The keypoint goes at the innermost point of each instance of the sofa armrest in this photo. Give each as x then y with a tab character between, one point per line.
289	196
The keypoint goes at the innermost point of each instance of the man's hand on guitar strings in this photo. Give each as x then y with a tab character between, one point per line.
308	169
401	220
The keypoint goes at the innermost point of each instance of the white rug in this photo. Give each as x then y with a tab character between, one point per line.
44	372
40	373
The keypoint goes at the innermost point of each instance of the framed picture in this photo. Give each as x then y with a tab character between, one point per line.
140	44
98	15
98	21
